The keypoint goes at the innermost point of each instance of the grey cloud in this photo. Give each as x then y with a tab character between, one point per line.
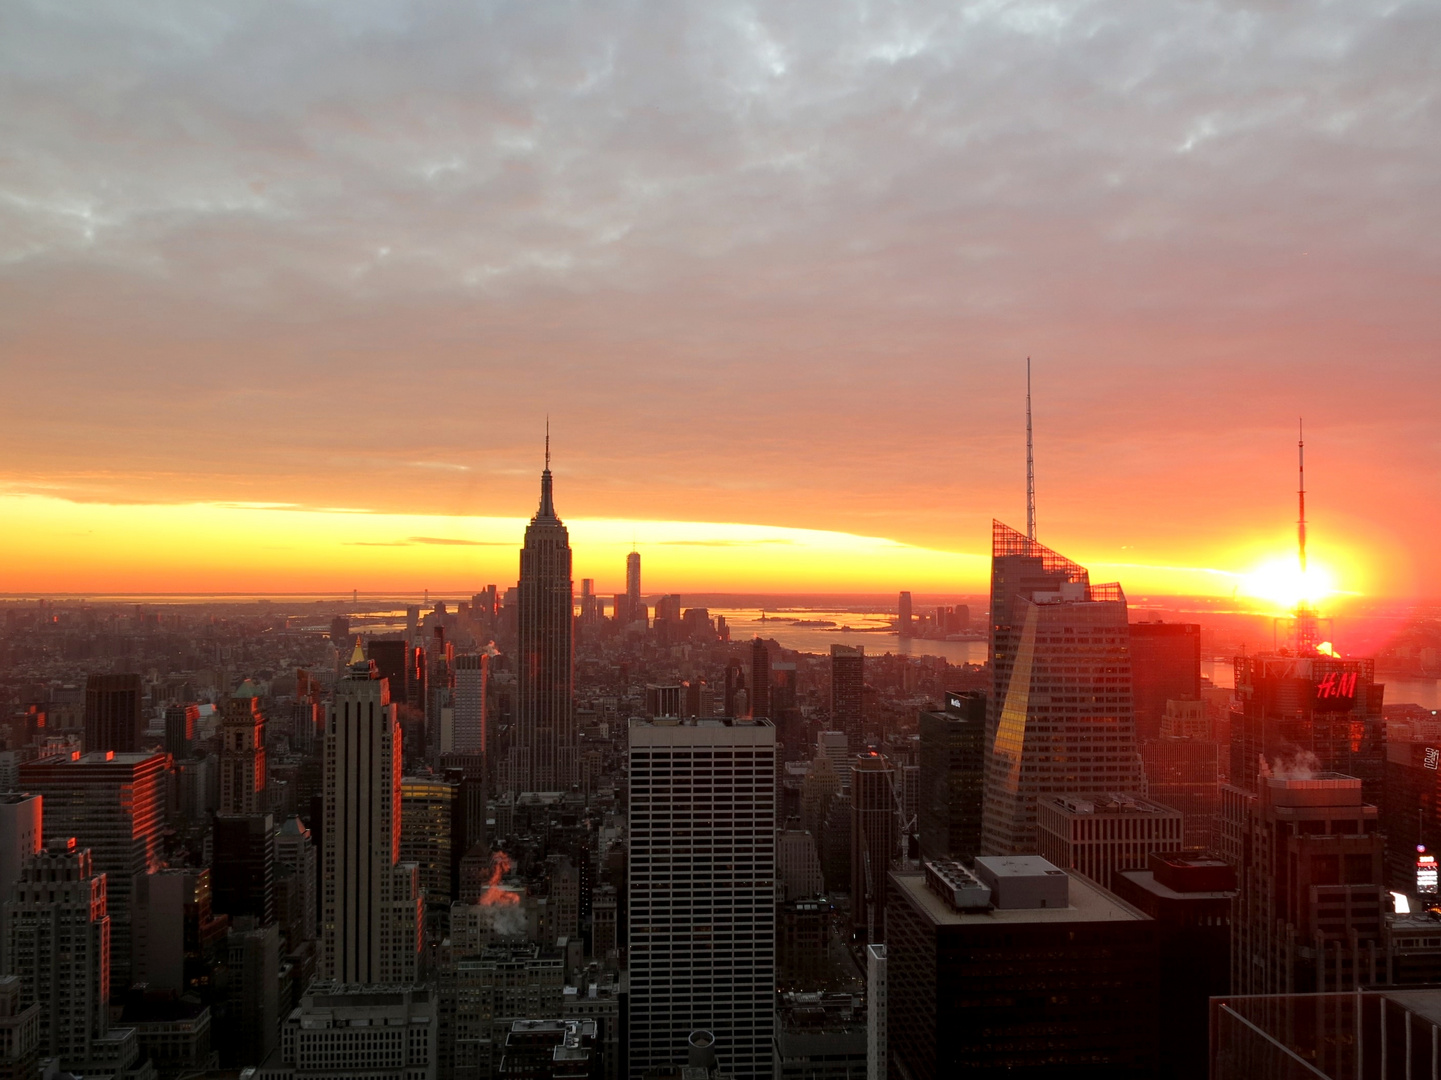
830	228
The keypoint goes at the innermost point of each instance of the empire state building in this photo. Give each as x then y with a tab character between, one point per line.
544	756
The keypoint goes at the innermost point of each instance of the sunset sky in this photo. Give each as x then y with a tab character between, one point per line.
287	293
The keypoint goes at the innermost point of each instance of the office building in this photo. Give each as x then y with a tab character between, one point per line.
19	1031
427	814
1308	913
252	998
834	747
1165	666
1059	716
396	664
472	678
483	991
1189	894
550	1050
1017	970
799	864
664	701
1101	834
22	834
242	753
360	1032
848	694
760	684
57	940
875	838
296	864
878	1057
803	937
113	804
820	1036
372	920
180	721
905	621
634	609
544	751
1316	712
176	930
1411	809
1183	770
112	713
243	875
701	891
952	777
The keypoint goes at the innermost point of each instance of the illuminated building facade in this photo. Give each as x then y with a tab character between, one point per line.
1316	712
1059	716
544	754
113	804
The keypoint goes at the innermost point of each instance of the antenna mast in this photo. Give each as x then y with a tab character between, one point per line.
1301	491
547	442
1031	464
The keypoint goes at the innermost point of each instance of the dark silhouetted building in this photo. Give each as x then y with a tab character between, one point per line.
875	836
112	713
1183	770
1059	716
180	721
392	658
1310	901
243	875
242	753
1017	970
1165	666
905	621
760	684
952	775
1189	895
1411	809
848	693
544	753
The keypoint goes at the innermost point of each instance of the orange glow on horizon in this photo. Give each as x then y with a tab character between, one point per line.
55	546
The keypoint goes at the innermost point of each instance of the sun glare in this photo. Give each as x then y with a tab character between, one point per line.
1282	582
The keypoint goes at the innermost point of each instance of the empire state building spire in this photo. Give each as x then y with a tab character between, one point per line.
546	513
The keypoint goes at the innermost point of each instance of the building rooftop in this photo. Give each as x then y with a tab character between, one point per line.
1112	802
1088	903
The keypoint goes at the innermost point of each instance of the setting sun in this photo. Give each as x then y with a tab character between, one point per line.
1283	582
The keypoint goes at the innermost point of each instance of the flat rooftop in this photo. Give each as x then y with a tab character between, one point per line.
1088	903
1111	802
1147	880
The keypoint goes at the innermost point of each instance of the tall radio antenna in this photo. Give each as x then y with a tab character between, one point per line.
1301	491
1031	466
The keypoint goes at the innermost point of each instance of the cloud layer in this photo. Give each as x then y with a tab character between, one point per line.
769	263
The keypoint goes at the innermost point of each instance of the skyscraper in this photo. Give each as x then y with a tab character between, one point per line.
905	625
948	806
242	752
112	713
848	689
180	721
1311	907
634	611
243	879
760	693
114	804
371	905
57	939
1165	666
1059	716
544	747
472	675
874	836
702	891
